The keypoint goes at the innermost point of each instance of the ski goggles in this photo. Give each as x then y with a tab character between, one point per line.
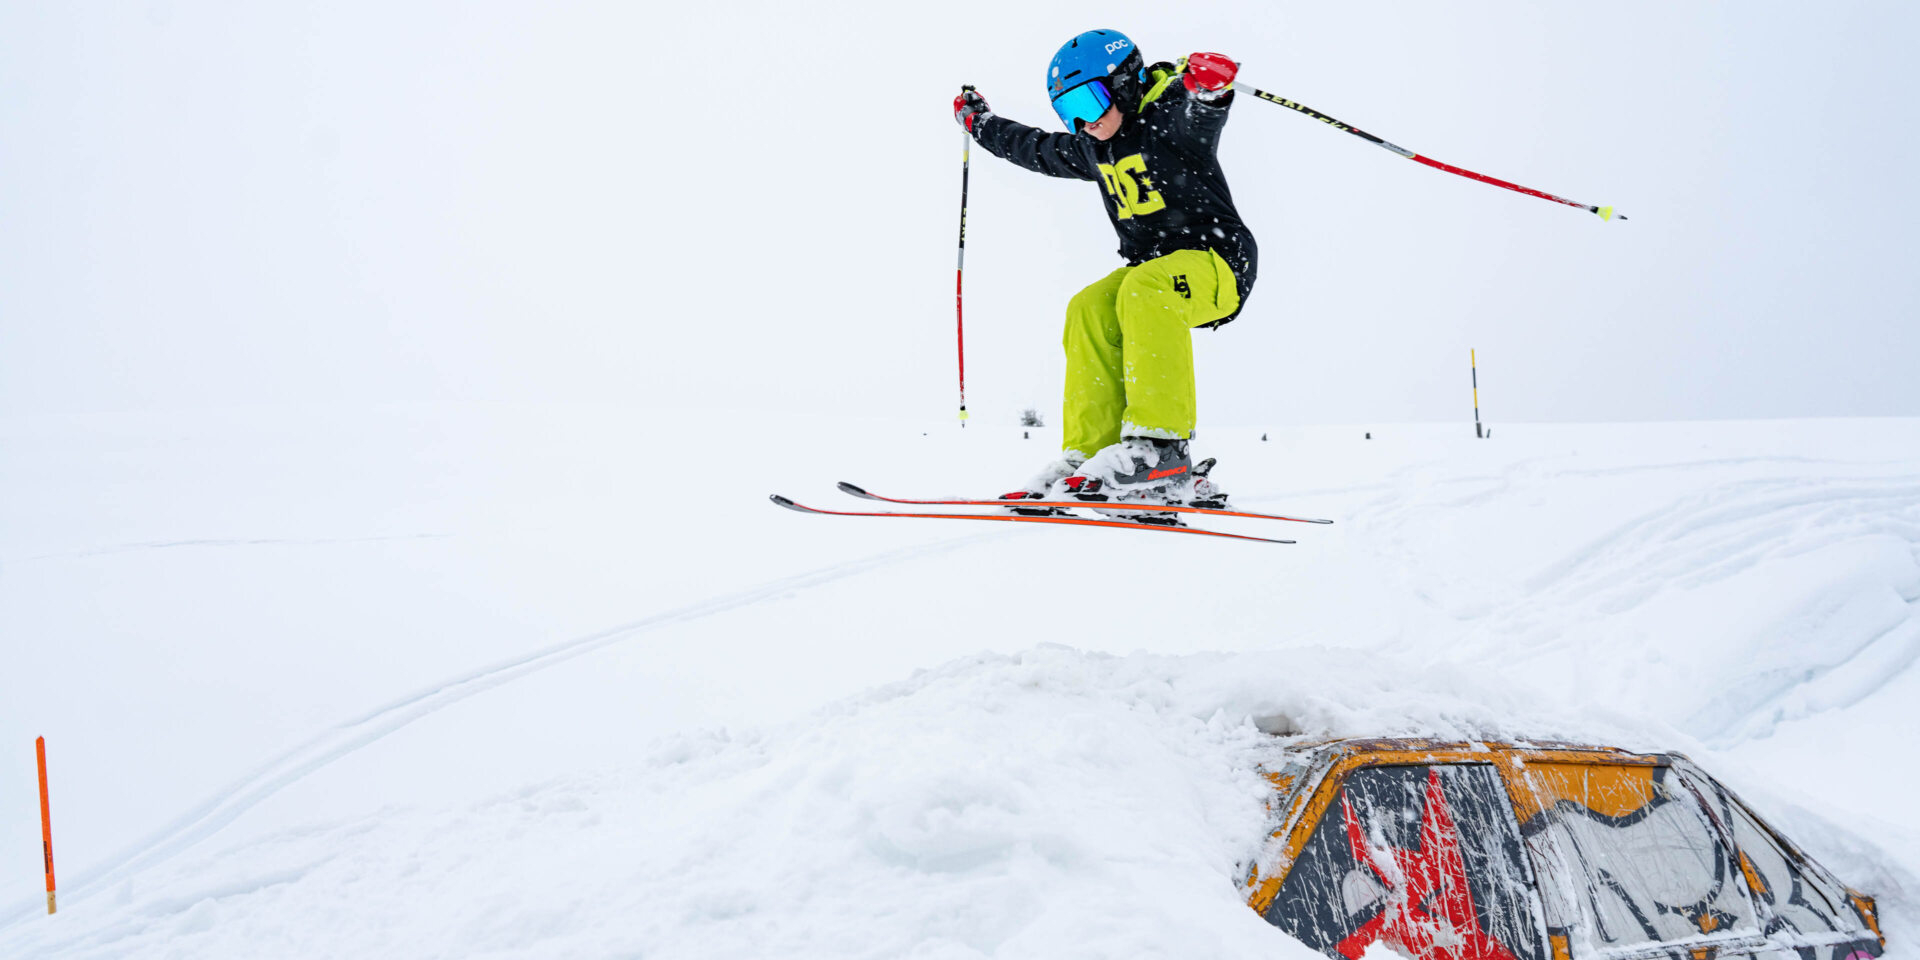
1086	103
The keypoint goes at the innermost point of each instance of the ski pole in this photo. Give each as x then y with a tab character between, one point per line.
960	269
1606	213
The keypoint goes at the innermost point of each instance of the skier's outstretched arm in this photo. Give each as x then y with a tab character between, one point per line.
1197	101
1054	154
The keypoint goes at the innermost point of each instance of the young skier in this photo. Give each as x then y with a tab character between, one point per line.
1148	136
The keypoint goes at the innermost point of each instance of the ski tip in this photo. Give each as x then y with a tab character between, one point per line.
846	487
781	501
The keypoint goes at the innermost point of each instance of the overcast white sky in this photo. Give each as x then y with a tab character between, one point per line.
343	203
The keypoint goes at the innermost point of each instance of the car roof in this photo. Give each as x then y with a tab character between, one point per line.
1402	750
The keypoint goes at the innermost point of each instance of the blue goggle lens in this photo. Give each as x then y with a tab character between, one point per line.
1087	102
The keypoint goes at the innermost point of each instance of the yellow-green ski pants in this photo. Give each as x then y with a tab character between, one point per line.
1130	349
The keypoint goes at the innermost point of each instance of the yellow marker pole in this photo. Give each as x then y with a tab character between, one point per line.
1473	363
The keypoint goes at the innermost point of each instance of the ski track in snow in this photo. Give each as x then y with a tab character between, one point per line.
1705	536
1712	534
209	542
270	778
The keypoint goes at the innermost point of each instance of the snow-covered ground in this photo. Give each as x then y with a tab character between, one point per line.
454	682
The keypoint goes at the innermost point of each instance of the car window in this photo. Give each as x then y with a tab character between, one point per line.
1809	906
1425	858
1628	857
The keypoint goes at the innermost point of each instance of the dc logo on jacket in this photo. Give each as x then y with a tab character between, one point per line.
1126	189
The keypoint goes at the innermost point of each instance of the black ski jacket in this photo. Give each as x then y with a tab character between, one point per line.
1162	183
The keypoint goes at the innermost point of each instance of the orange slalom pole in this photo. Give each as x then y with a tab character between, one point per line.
46	817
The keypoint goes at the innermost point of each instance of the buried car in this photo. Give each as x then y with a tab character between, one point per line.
1489	851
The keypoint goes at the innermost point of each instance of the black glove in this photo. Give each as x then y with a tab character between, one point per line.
969	107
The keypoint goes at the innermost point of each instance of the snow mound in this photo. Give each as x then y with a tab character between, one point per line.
1052	802
1747	594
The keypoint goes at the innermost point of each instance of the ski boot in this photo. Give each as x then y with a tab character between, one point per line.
1044	485
1143	469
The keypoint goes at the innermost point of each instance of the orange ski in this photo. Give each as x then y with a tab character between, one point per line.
846	487
1017	518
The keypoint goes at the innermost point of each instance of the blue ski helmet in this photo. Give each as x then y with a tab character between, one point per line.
1093	71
